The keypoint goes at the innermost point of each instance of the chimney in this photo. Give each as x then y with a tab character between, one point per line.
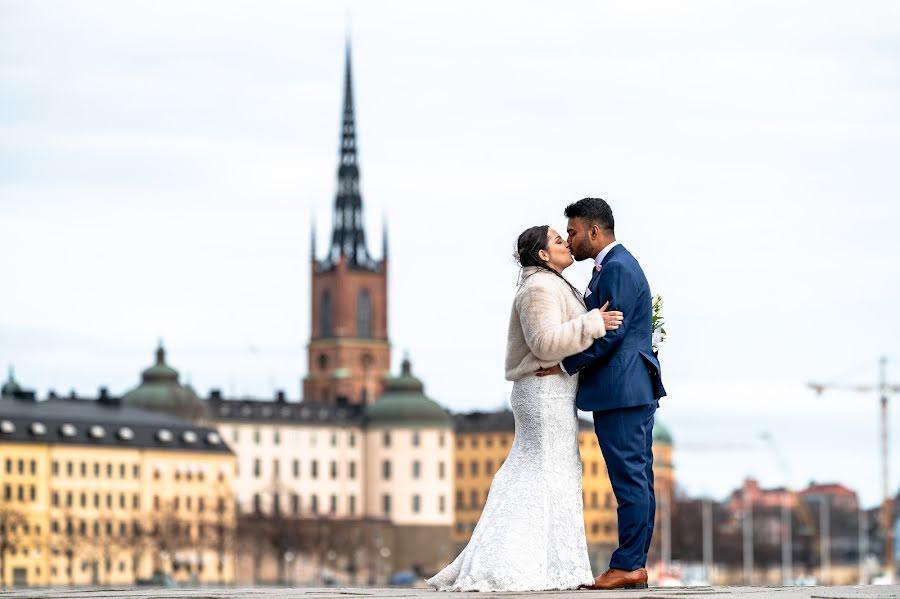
279	397
215	395
106	399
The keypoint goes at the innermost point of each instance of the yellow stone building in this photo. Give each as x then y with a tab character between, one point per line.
92	492
483	440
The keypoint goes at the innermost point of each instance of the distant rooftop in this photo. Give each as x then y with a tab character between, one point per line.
101	422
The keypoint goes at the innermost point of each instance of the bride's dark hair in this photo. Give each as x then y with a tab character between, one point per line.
531	241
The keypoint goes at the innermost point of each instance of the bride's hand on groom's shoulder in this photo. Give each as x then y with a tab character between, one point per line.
611	320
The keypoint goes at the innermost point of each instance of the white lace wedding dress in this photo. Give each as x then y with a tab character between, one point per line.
530	535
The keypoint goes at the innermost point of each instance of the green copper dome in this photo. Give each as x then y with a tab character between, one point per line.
404	404
160	391
10	387
661	434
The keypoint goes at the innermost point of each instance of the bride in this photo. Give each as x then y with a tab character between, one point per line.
530	536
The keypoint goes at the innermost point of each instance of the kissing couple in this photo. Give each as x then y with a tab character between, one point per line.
565	350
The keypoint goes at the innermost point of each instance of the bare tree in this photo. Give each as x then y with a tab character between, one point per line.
12	528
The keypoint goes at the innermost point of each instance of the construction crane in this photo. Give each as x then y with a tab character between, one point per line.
803	513
884	389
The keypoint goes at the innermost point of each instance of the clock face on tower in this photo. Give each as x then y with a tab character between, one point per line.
349	351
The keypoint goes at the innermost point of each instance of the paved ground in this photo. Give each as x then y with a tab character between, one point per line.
861	592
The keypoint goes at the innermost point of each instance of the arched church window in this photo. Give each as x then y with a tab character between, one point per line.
327	316
323	362
364	314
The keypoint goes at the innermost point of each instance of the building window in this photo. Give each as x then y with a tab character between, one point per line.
488	467
275	468
352	440
441	470
257	467
386	470
489	442
21	466
333	470
460	469
70	468
351	505
416	440
136	501
54	468
235	436
136	471
594	468
8	466
96	469
473	441
276	504
595	528
473	499
84	469
323	362
460	500
121	470
416	469
295	504
473	467
314	469
386	504
326	319
364	315
277	437
607	503
416	504
441	440
32	467
352	470
386	439
54	498
442	504
296	468
333	506
594	502
314	504
256	436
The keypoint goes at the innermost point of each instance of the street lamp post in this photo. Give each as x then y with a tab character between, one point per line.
748	539
707	520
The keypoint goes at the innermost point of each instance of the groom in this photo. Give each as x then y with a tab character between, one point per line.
620	383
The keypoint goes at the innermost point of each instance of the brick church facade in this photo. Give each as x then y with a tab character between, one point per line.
349	354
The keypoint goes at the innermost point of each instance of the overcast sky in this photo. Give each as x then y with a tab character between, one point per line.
160	164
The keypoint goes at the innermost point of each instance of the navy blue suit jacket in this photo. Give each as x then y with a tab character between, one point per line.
619	370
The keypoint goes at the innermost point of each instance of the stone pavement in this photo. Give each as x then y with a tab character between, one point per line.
861	592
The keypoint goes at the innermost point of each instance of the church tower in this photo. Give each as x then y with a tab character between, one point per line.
349	352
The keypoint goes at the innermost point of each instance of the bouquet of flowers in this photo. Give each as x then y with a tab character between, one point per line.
658	323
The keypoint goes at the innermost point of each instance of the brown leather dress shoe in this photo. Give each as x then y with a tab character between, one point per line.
620	579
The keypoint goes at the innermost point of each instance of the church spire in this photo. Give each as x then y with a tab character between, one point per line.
349	238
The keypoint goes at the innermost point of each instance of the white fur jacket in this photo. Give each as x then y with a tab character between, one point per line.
548	323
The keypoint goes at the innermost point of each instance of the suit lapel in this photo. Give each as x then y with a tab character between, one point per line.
595	277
